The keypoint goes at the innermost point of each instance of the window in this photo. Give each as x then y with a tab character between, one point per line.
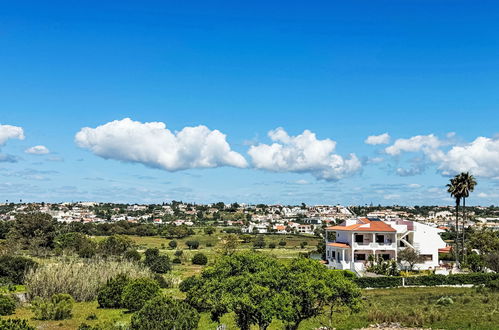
359	238
427	257
333	254
360	257
380	239
385	256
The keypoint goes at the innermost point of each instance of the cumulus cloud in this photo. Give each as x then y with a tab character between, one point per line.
303	153
8	132
378	139
37	150
425	143
480	157
153	145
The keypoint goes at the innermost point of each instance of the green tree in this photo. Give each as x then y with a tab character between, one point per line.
209	230
34	231
156	262
466	184
165	313
115	245
229	244
410	256
137	292
454	190
172	244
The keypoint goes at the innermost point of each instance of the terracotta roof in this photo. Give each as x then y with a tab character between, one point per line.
446	249
366	225
340	245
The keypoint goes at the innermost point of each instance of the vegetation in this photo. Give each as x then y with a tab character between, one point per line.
109	295
7	305
79	278
165	313
137	292
58	307
199	259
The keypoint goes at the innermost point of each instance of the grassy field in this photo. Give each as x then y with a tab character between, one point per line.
410	306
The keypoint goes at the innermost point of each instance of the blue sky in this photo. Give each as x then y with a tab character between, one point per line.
341	70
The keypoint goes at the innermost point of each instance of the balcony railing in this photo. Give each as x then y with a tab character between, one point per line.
375	245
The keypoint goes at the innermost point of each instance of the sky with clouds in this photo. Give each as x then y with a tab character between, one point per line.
264	102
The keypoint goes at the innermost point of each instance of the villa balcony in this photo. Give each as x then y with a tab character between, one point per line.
376	246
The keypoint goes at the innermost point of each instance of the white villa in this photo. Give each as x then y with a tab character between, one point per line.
358	238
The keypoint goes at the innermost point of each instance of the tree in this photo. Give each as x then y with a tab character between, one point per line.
137	292
209	230
34	231
199	259
410	256
192	244
115	245
172	244
282	243
109	295
229	244
259	242
466	185
75	242
156	262
454	190
164	312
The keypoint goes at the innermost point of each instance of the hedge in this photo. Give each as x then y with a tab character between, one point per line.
429	280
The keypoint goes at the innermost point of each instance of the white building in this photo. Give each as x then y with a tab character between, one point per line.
357	239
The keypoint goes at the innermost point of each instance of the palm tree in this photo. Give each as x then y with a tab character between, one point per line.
455	192
466	183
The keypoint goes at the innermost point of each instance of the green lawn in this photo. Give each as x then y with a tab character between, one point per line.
409	306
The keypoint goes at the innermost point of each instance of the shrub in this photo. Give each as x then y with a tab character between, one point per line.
282	243
76	243
428	280
172	244
15	324
445	301
157	263
272	245
115	245
58	307
109	295
178	253
199	259
7	305
81	279
165	313
259	243
303	244
14	268
176	261
137	292
132	255
192	245
163	284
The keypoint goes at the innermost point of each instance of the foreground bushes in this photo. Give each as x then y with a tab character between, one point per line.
58	307
7	305
109	295
14	268
15	324
430	280
137	292
81	279
165	313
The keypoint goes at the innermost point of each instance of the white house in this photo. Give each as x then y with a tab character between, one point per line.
357	239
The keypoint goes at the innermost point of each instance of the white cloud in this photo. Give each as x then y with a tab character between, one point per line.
8	132
303	153
378	139
425	143
154	145
37	150
414	185
480	157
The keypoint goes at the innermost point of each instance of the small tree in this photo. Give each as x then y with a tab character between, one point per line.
109	295
172	244
137	292
229	244
282	243
115	245
199	259
58	307
259	242
157	263
165	313
192	245
7	305
410	256
209	230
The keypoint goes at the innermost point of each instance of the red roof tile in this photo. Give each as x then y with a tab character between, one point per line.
340	245
367	225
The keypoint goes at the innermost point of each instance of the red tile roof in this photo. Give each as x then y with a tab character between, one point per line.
365	225
340	245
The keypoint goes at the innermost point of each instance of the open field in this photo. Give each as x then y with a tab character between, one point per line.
409	306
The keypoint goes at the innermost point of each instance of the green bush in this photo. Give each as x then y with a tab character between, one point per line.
445	301
15	324
379	282
282	243
165	313
160	279
115	245
176	261
272	245
199	259
58	307
157	263
178	253
7	305
137	292
14	268
109	295
192	245
172	244
132	255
